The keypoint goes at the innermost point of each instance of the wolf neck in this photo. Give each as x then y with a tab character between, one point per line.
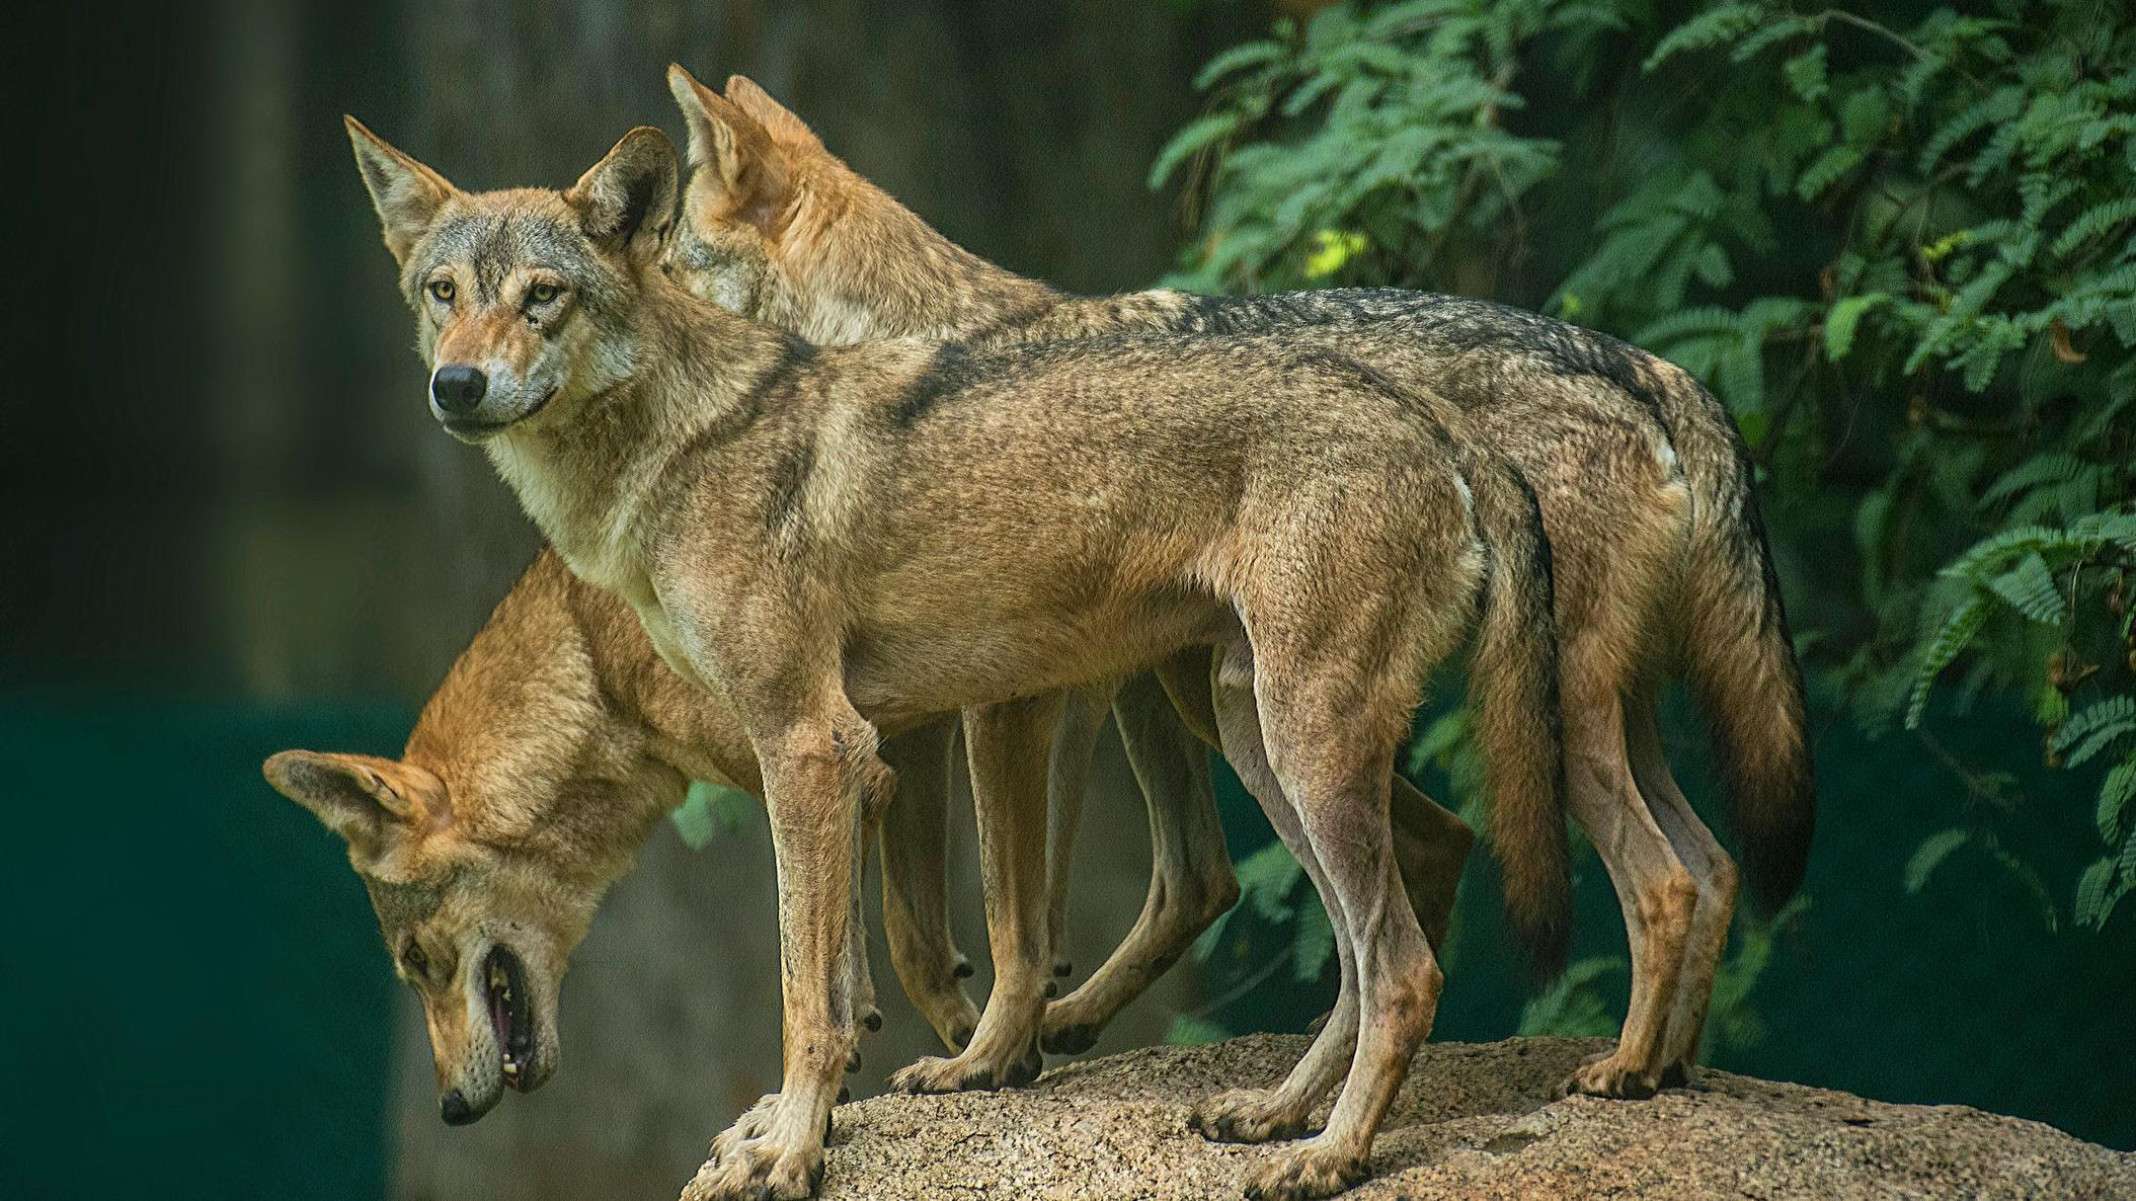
527	705
586	480
879	271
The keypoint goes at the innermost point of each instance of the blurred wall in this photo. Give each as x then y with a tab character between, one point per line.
219	477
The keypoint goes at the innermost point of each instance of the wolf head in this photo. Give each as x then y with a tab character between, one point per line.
775	227
487	849
481	934
522	298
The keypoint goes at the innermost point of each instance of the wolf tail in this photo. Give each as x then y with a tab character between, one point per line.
1514	708
1738	658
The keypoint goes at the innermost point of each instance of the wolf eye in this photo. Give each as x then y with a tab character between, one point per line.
418	964
543	293
441	290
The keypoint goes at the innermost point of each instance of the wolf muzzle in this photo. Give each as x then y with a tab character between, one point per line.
457	388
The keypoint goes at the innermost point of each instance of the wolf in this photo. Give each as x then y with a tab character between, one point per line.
1660	558
842	541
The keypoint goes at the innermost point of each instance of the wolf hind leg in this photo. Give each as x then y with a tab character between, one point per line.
1253	1115
914	847
1191	881
1655	890
1007	745
1713	872
1075	741
1334	763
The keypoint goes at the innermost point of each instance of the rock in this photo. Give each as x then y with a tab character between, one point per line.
1473	1122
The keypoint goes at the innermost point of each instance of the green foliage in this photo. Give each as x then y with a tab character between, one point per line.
1902	249
709	811
1573	1005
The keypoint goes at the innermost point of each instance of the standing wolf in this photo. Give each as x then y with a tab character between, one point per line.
842	541
1659	556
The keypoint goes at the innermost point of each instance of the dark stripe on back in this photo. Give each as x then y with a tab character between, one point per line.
767	390
789	483
948	371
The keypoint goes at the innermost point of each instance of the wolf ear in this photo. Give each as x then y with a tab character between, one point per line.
406	193
777	120
356	796
626	200
736	148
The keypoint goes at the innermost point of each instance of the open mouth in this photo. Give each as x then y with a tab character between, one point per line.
511	1014
466	428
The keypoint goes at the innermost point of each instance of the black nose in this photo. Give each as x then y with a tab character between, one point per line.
452	1106
458	388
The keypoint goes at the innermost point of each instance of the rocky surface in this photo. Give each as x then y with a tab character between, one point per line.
1473	1122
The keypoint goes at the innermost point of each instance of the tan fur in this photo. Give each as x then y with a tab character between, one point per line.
846	541
1657	559
1191	881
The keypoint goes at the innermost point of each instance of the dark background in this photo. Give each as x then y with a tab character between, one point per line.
231	528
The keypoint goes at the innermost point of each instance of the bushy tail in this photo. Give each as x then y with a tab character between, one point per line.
1514	708
1738	657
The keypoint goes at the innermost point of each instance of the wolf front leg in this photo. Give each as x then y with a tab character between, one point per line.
1007	745
819	772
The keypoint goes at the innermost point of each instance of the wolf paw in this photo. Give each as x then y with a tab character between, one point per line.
1306	1172
751	1126
1072	1038
949	1011
1246	1115
1612	1075
1069	1029
967	1072
758	1171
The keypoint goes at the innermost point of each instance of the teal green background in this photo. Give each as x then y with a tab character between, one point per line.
193	995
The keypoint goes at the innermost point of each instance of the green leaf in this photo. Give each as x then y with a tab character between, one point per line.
2090	908
2115	794
1193	1030
1266	878
1312	942
2030	589
1711	28
1806	73
1236	59
1331	249
1843	318
1572	1006
2111	717
1957	633
1930	855
2094	221
709	810
1827	169
1199	134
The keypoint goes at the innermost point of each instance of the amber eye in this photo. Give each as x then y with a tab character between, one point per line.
441	290
417	963
543	293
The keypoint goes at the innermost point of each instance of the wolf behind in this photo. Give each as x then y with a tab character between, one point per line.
1658	553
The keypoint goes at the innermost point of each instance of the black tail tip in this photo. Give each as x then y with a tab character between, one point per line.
1549	950
1774	866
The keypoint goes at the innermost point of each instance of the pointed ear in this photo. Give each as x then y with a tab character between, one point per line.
356	796
735	148
784	127
626	200
406	193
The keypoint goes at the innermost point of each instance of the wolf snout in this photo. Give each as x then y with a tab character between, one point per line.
457	388
453	1107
